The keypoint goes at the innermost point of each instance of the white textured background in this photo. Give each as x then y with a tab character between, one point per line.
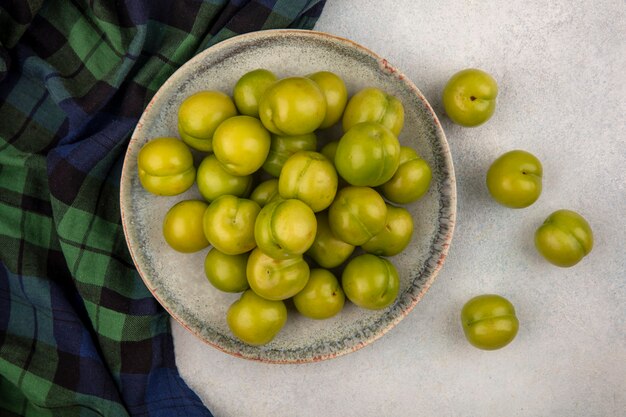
561	69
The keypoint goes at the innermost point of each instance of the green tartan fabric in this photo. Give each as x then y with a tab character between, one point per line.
80	335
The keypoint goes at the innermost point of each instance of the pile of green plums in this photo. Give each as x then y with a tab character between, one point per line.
285	215
513	180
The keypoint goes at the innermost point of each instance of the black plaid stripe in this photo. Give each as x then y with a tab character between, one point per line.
44	38
180	15
92	100
239	24
66	180
21	12
131	99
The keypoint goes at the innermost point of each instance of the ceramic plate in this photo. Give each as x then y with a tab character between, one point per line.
177	280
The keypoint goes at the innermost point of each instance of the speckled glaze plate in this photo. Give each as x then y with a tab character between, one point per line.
178	281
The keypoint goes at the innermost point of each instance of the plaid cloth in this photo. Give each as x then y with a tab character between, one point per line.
80	335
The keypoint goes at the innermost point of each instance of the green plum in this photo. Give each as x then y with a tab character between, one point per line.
292	106
249	90
276	279
489	321
265	192
241	144
182	226
255	320
367	155
229	224
374	105
395	236
226	272
285	228
514	179
282	147
410	181
213	180
328	250
165	166
335	93
469	97
200	114
310	177
370	282
565	238
330	150
357	214
322	297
